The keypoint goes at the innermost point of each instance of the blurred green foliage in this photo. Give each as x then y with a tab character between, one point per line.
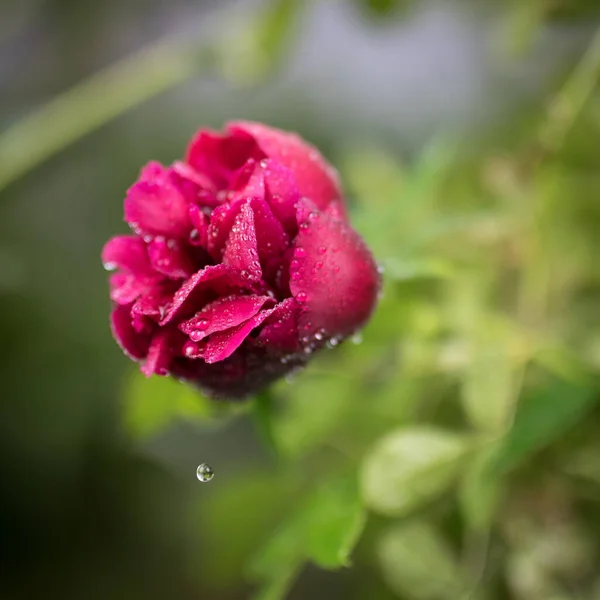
455	444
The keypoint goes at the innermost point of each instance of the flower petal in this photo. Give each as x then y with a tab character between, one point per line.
279	334
125	287
271	239
333	275
169	258
199	233
155	302
249	182
224	343
202	287
135	345
222	314
126	252
155	206
282	194
221	222
220	156
314	176
236	377
159	355
241	250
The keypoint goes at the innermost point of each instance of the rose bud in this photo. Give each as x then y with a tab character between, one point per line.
242	262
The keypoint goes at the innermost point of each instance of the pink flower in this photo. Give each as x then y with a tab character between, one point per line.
242	262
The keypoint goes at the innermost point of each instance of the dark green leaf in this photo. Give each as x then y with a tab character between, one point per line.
542	417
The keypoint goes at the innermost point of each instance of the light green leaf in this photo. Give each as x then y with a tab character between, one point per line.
417	563
543	416
151	404
410	467
313	406
336	520
324	529
278	587
488	390
479	491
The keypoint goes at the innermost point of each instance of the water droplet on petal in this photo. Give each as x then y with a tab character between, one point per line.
301	297
300	252
204	473
322	250
110	266
318	336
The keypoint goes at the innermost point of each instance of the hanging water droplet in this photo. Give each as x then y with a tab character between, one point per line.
356	338
110	266
204	473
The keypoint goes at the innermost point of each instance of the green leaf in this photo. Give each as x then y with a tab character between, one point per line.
410	467
479	491
336	520
324	529
152	404
278	587
542	417
417	563
312	408
488	391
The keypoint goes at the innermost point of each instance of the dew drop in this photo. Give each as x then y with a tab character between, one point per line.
300	252
110	266
318	336
204	473
322	250
356	338
202	324
301	297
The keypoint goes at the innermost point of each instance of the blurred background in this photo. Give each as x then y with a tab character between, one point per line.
453	450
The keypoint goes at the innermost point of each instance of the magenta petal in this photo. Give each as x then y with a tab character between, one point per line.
222	314
222	344
241	251
159	355
333	275
279	334
220	156
169	258
156	207
125	288
282	194
221	222
271	239
199	233
155	302
249	182
215	280
126	252
135	345
314	176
